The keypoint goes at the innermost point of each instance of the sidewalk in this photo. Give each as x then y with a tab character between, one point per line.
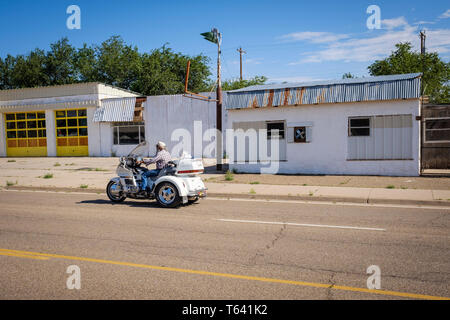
333	194
92	175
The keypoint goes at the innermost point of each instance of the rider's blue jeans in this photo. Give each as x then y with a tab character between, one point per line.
146	175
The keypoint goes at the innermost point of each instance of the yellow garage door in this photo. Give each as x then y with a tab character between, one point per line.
26	134
71	133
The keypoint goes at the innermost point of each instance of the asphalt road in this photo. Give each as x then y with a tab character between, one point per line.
218	249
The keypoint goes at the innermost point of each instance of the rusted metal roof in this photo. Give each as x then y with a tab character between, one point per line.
394	87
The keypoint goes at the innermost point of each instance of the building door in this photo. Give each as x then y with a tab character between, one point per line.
71	133
26	134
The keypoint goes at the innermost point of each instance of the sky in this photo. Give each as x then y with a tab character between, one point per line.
286	41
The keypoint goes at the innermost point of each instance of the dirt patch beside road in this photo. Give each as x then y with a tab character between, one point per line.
94	173
426	183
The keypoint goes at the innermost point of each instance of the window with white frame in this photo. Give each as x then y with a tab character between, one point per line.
437	130
128	133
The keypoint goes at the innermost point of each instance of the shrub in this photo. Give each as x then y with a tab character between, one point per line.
229	176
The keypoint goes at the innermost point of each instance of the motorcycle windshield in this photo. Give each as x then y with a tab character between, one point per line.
140	150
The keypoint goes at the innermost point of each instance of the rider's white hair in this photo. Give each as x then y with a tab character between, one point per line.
161	145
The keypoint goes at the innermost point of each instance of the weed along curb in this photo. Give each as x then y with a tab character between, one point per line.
250	195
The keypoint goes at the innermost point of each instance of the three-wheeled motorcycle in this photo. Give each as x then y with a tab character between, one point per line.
178	183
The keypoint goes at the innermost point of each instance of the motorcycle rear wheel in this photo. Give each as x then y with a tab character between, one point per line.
167	195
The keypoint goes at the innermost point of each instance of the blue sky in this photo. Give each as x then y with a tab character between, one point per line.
285	40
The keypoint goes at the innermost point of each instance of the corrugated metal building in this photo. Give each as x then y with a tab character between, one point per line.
349	126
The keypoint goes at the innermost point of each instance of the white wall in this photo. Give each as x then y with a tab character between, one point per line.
328	150
2	136
94	138
164	114
51	132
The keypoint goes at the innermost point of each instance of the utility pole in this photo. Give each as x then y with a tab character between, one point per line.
215	36
422	41
422	92
240	53
423	52
219	142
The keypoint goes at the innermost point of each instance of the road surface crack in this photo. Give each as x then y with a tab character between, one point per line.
332	284
261	252
433	221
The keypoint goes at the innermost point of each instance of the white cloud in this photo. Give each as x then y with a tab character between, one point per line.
377	45
394	23
438	40
445	15
421	22
253	61
314	37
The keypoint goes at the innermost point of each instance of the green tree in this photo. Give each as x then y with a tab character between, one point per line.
60	63
6	72
160	71
29	71
348	75
85	63
118	64
436	73
238	84
164	72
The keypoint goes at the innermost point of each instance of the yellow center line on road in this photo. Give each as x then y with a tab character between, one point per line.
22	256
231	276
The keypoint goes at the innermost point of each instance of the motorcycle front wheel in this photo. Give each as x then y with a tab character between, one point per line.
113	193
167	195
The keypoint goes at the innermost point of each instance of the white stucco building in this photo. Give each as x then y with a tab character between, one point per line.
364	126
54	121
98	120
353	126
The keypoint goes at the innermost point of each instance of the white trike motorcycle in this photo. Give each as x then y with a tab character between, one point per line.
178	183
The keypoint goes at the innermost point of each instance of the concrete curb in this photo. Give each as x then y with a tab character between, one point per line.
435	203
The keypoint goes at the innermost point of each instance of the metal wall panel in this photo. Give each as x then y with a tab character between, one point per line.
115	110
390	139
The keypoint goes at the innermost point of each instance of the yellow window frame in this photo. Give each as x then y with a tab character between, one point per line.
71	144
30	142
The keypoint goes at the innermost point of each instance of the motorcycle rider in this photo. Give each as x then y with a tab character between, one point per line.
161	159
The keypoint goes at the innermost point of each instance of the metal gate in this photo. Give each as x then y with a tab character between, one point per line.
436	137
